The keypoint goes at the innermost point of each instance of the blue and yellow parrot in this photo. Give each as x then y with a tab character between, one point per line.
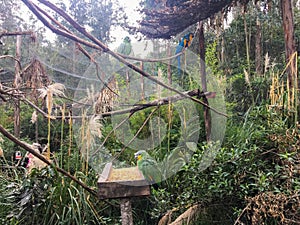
184	43
148	166
125	47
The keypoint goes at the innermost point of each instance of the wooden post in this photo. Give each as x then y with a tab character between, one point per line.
123	184
207	117
17	84
142	82
126	211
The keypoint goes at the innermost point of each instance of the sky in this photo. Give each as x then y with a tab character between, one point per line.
130	7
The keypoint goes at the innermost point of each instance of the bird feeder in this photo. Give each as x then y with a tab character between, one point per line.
122	183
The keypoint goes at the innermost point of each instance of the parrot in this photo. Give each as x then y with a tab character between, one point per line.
125	47
148	166
184	43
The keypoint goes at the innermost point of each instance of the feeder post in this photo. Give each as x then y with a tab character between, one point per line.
126	211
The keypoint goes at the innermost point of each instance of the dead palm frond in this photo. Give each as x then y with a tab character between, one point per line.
35	76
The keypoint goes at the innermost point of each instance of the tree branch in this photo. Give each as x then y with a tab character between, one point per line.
15	33
100	46
11	57
28	148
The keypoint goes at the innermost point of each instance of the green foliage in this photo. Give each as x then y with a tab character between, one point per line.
98	16
272	37
246	165
45	197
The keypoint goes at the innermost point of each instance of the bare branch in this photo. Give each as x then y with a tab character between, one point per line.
11	57
16	33
37	108
100	46
136	134
28	148
97	67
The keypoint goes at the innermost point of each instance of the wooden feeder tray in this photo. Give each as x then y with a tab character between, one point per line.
122	183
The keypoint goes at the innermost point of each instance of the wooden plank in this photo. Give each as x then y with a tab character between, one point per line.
106	173
116	190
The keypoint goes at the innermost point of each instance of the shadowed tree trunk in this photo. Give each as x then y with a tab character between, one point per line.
207	117
247	41
258	47
142	82
289	37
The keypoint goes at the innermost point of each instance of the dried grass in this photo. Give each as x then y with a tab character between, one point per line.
280	207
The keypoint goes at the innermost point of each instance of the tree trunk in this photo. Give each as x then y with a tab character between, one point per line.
289	37
220	39
258	47
222	42
17	84
207	117
247	43
202	57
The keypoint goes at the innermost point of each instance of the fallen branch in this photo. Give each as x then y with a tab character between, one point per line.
188	216
167	218
237	221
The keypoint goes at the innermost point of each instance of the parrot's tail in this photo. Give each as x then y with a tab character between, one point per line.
178	50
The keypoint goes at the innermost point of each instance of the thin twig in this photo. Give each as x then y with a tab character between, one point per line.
136	134
97	67
241	214
108	135
11	57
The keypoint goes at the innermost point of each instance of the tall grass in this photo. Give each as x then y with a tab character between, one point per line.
283	96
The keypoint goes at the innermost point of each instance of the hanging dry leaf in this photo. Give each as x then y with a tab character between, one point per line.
34	117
